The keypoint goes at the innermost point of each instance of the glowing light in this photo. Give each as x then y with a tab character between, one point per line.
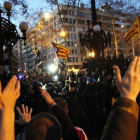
52	68
47	15
62	33
55	77
91	54
122	26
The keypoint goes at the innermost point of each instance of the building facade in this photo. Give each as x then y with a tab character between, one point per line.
69	19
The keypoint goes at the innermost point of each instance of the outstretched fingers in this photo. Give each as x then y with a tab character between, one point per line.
117	75
132	65
19	111
17	89
11	83
26	109
137	66
31	110
23	109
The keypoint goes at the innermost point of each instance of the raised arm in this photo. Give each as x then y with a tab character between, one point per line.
122	122
8	99
68	131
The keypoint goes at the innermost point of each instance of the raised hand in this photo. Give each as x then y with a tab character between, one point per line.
10	94
129	85
8	99
47	97
24	116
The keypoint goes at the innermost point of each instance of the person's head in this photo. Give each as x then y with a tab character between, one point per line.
109	77
72	87
67	83
62	104
50	88
59	85
43	126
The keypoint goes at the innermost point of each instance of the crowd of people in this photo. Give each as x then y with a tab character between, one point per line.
74	107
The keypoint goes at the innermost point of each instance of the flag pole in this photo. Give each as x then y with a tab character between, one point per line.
133	47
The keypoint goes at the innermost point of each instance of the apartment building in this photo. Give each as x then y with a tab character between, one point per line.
69	19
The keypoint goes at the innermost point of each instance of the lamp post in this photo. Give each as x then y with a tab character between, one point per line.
9	35
95	38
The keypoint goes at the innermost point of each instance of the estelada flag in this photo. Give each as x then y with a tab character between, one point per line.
61	51
133	31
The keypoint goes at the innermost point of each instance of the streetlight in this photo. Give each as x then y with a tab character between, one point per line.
9	35
91	54
47	15
63	34
95	38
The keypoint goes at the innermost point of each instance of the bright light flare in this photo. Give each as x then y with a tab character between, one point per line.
55	77
91	54
52	68
63	33
122	26
47	15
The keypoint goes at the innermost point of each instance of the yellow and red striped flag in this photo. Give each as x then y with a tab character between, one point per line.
61	51
133	31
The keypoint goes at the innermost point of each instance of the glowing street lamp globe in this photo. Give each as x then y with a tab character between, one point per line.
47	15
63	33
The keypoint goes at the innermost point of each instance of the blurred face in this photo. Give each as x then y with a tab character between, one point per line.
72	89
1	70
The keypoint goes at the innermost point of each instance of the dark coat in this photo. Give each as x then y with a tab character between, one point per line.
122	121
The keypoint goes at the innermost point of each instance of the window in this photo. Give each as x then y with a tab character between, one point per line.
76	59
71	36
63	11
72	13
66	19
73	29
74	36
73	20
81	59
73	59
69	59
68	43
81	14
75	44
106	18
75	51
72	43
81	21
70	20
69	13
89	16
72	51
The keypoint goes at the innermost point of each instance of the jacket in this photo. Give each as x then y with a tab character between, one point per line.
122	121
